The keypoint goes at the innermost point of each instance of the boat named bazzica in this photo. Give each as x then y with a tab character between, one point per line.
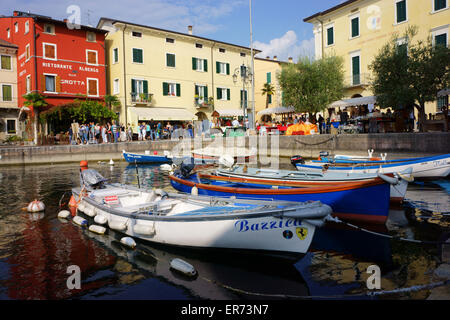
269	227
145	158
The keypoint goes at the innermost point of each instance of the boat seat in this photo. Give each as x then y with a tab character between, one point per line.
163	207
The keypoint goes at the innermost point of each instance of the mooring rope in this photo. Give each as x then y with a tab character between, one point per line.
315	144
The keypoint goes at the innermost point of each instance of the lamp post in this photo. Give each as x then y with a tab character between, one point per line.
246	77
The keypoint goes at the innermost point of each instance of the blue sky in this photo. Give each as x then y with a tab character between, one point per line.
278	27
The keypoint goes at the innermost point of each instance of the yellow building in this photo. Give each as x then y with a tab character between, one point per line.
267	71
166	75
9	111
357	29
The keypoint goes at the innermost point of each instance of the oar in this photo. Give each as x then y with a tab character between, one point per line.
137	173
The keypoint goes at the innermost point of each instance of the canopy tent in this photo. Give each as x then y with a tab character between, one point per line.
161	114
228	113
444	92
354	102
276	110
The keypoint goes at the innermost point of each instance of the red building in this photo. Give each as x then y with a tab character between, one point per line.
58	62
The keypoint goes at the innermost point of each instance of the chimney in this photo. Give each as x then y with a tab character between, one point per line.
15	13
275	58
290	60
190	29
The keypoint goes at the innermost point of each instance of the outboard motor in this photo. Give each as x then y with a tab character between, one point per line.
186	167
297	159
91	179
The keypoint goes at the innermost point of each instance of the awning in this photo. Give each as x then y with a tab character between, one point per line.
175	114
276	110
444	92
354	102
229	113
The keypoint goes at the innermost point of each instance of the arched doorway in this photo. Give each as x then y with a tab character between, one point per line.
201	116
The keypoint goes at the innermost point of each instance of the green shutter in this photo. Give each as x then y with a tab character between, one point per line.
170	60
7	92
205	65
355	70
194	63
196	90
116	55
137	55
206	93
270	98
145	86
228	94
178	90
165	89
219	93
133	86
441	39
355	27
269	77
401	11
330	36
217	67
228	68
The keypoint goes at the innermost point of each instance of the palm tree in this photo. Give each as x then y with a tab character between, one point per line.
112	101
37	102
267	90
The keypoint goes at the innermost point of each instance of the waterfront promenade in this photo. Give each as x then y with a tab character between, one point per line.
394	144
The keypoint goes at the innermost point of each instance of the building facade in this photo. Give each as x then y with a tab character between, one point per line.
9	110
60	62
171	76
357	29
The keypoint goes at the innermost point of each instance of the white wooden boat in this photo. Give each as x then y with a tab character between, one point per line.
280	227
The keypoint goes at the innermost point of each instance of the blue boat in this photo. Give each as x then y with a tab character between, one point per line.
144	158
363	201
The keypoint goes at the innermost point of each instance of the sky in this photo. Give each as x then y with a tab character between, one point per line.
278	27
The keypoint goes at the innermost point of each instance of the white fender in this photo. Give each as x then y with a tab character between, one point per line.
194	191
91	212
97	229
389	180
100	219
129	242
80	221
146	230
36	206
183	267
81	206
116	225
64	214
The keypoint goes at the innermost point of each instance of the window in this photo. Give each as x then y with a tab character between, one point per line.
136	34
8	33
244	99
27	27
198	45
115	55
16	27
28	83
223	94
116	88
222	68
27	52
243	54
199	64
439	5
138	55
92	87
90	36
139	90
170	60
441	103
171	89
6	92
402	46
269	77
440	36
440	40
401	11
356	68
49	28
201	94
5	62
50	83
330	36
354	26
49	51
170	40
10	126
221	50
91	57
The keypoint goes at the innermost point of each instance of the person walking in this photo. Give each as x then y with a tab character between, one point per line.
129	133
144	131
104	134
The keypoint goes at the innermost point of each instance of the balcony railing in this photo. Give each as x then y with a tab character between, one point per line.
202	103
362	79
145	98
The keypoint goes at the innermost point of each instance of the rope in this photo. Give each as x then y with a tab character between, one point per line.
315	144
337	220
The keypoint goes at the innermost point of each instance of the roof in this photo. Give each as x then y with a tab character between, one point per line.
175	32
4	43
21	14
322	13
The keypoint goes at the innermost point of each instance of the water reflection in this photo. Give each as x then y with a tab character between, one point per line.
35	250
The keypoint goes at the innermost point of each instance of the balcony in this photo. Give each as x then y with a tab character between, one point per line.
202	103
141	98
358	80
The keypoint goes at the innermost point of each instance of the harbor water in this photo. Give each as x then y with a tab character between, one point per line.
37	249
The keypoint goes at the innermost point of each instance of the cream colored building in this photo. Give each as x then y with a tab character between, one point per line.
165	75
9	111
267	70
357	29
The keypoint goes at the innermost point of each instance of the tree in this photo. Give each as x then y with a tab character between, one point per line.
37	102
312	85
112	101
267	90
410	74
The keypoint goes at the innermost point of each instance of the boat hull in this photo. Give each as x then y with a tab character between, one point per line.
365	202
143	158
263	234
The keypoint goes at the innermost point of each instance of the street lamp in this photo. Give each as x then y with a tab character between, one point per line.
246	77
